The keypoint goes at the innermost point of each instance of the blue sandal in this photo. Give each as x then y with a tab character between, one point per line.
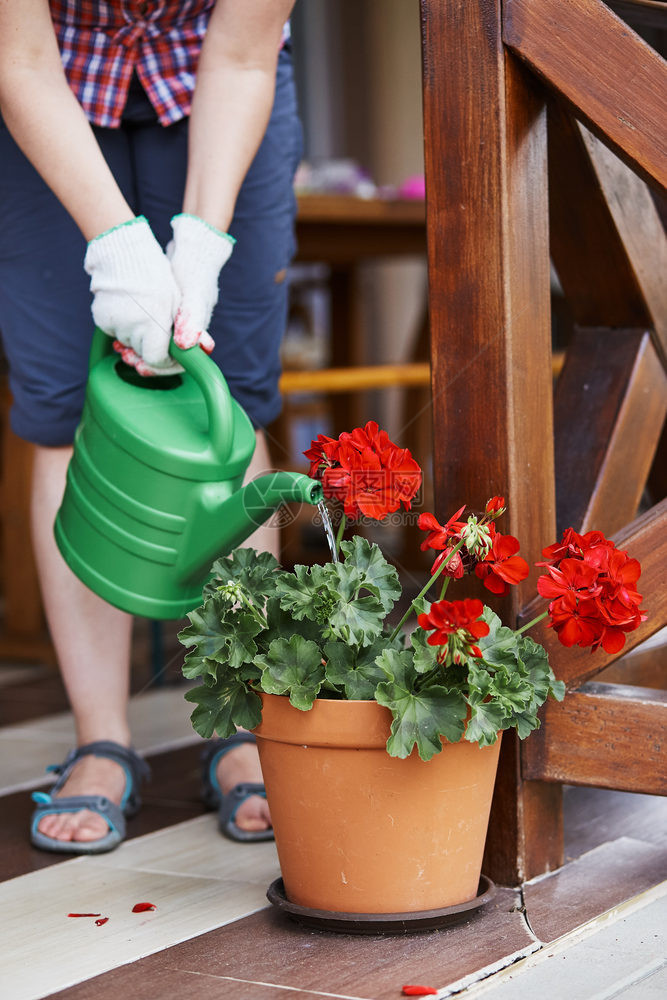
228	803
136	770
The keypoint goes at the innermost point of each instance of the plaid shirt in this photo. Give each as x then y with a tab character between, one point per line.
103	42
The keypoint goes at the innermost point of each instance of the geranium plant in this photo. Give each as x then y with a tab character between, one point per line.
322	631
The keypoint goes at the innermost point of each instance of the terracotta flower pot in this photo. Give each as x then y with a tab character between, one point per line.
358	831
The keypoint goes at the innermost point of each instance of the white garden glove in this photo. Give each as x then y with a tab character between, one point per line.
197	253
135	295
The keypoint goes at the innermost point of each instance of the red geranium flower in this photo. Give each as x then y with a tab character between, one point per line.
572	575
404	473
576	621
365	471
456	627
359	483
439	535
454	567
501	566
495	505
323	452
592	588
573	545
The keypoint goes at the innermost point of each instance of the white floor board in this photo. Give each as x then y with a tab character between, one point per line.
197	848
624	958
45	951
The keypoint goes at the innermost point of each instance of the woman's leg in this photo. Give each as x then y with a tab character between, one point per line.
46	329
93	643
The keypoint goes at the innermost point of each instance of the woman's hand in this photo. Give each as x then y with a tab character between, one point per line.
198	252
135	295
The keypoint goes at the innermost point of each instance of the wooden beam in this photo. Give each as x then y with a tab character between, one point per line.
609	410
640	228
604	735
486	182
354	379
644	666
585	52
645	539
600	286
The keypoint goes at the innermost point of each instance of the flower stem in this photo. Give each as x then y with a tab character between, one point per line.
443	591
340	533
424	589
255	611
524	628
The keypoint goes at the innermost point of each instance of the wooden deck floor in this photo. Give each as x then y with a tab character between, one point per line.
213	933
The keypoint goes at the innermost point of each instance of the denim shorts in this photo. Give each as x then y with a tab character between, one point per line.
45	318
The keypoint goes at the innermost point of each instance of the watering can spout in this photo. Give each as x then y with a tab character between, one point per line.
222	526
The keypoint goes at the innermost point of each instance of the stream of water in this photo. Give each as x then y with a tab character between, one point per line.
328	529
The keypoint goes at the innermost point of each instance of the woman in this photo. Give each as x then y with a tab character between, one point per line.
132	126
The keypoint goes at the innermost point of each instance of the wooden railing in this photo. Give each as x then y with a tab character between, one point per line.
544	119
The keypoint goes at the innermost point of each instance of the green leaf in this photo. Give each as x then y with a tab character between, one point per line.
525	723
376	574
425	656
513	691
207	630
397	666
229	641
304	592
420	606
419	717
220	709
356	620
341	660
354	670
558	689
486	720
329	595
282	624
255	572
501	647
293	666
351	618
242	647
195	665
538	671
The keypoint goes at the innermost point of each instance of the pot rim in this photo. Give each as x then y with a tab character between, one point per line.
332	722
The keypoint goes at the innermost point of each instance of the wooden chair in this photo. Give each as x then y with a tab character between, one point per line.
491	71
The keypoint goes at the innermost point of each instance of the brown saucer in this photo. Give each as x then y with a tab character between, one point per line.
380	923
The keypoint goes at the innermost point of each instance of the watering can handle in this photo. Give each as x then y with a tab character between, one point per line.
209	378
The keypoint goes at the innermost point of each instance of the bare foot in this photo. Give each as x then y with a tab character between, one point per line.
238	766
90	776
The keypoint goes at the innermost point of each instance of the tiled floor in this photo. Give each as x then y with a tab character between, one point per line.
213	934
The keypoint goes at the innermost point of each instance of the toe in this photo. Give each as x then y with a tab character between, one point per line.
90	827
84	826
57	826
253	814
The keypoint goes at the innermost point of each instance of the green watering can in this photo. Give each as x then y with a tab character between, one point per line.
154	490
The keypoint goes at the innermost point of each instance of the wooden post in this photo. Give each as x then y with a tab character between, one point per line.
487	210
